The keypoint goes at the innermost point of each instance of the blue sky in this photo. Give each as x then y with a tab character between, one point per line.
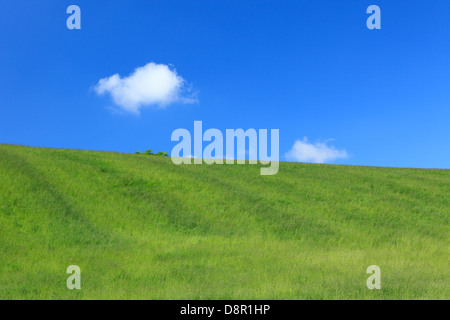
308	68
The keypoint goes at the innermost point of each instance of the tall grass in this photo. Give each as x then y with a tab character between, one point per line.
144	228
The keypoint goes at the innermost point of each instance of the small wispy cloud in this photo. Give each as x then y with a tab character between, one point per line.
152	84
319	152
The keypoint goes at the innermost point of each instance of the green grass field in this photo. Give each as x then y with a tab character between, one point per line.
141	227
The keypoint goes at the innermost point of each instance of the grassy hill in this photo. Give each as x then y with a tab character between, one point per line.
141	227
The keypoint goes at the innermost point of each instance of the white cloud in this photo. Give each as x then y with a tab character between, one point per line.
152	84
320	152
